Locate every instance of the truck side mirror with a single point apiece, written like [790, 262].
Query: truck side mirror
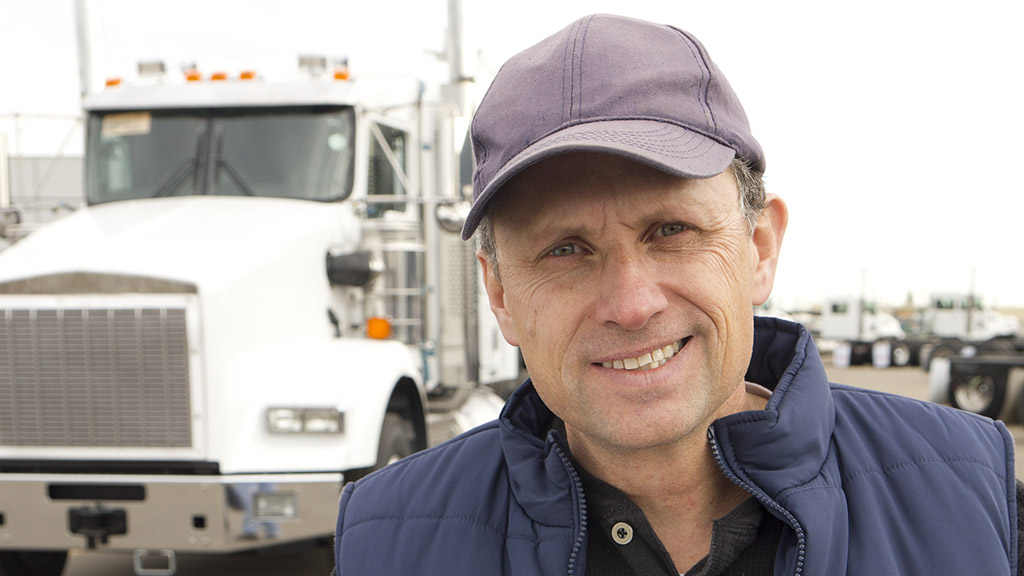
[355, 269]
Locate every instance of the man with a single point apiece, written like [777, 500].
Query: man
[624, 235]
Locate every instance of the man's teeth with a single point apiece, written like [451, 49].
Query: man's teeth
[647, 361]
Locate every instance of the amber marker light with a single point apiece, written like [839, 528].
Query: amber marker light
[378, 328]
[193, 75]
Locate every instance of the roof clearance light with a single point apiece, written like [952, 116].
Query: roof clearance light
[247, 75]
[152, 68]
[341, 73]
[312, 64]
[218, 76]
[378, 328]
[193, 75]
[111, 82]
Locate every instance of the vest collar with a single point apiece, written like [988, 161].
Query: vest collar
[785, 444]
[781, 446]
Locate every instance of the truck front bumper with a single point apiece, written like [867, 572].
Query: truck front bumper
[182, 513]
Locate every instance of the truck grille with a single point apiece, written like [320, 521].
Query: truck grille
[94, 377]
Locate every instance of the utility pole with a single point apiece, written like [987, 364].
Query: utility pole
[459, 79]
[84, 52]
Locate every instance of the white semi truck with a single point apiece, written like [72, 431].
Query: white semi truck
[961, 326]
[862, 333]
[265, 297]
[950, 325]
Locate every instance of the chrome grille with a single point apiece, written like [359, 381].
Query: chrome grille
[94, 377]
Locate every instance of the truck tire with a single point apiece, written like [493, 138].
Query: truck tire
[860, 353]
[941, 351]
[16, 563]
[900, 354]
[979, 393]
[396, 440]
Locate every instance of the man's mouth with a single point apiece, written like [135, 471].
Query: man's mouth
[649, 360]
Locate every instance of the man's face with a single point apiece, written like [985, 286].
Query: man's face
[606, 265]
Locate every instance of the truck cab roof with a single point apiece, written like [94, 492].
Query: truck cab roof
[253, 93]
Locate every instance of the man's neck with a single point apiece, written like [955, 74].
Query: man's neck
[678, 486]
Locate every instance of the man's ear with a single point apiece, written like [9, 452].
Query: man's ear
[496, 297]
[771, 226]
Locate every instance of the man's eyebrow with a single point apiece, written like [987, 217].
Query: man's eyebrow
[558, 227]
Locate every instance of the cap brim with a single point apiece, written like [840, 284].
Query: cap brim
[666, 147]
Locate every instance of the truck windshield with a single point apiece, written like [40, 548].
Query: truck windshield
[303, 153]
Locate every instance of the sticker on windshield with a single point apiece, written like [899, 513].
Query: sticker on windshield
[126, 124]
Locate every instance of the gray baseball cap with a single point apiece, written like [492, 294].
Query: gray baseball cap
[610, 84]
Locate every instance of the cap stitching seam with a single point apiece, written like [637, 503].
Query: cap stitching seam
[582, 42]
[657, 119]
[565, 115]
[664, 149]
[704, 94]
[572, 78]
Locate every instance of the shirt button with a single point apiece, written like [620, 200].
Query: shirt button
[622, 533]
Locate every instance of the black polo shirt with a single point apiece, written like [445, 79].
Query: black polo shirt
[620, 540]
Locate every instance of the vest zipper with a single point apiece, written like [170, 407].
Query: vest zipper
[763, 498]
[582, 536]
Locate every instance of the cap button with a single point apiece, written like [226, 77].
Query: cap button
[622, 533]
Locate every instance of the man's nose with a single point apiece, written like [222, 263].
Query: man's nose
[629, 292]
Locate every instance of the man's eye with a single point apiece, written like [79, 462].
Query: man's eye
[565, 250]
[670, 229]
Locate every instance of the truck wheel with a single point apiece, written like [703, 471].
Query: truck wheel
[978, 393]
[396, 440]
[860, 353]
[32, 563]
[940, 351]
[900, 355]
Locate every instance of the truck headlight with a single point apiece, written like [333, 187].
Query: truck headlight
[281, 420]
[321, 421]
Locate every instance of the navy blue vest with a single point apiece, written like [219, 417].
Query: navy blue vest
[867, 483]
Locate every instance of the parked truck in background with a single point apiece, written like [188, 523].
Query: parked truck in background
[990, 383]
[862, 333]
[976, 362]
[949, 325]
[266, 296]
[960, 325]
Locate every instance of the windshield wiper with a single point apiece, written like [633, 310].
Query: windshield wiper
[185, 168]
[235, 176]
[182, 171]
[232, 173]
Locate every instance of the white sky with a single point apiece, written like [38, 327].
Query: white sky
[892, 128]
